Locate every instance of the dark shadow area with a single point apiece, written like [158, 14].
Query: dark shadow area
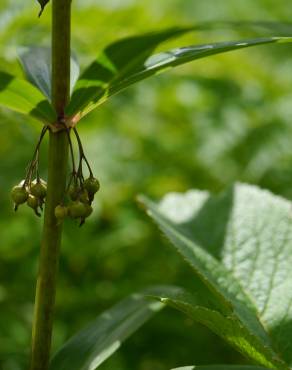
[208, 226]
[42, 111]
[5, 80]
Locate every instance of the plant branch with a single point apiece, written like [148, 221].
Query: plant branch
[57, 174]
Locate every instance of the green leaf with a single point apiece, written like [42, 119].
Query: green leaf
[220, 367]
[118, 59]
[93, 345]
[20, 96]
[37, 65]
[42, 3]
[132, 60]
[240, 245]
[225, 324]
[161, 62]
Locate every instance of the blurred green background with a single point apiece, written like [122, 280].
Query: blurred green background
[205, 125]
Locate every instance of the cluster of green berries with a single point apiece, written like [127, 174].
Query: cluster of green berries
[80, 200]
[79, 195]
[32, 194]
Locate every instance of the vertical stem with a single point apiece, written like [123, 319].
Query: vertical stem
[57, 174]
[61, 55]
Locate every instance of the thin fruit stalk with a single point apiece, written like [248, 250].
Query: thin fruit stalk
[57, 174]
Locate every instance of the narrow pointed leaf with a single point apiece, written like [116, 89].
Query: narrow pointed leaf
[240, 244]
[37, 65]
[172, 58]
[88, 349]
[118, 59]
[20, 96]
[276, 28]
[117, 68]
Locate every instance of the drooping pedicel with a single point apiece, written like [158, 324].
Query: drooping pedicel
[80, 192]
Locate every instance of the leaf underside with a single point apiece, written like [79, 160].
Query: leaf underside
[37, 65]
[240, 245]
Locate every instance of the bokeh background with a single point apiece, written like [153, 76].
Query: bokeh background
[204, 125]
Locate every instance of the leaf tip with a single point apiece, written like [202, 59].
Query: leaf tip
[43, 4]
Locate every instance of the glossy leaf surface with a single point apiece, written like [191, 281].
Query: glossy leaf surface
[88, 349]
[120, 58]
[132, 60]
[20, 96]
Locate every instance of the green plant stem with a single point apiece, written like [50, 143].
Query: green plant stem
[57, 174]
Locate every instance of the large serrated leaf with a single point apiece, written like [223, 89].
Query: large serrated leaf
[20, 96]
[132, 60]
[240, 244]
[88, 349]
[37, 65]
[226, 325]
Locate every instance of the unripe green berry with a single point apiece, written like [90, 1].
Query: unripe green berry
[19, 195]
[83, 196]
[39, 190]
[77, 209]
[42, 181]
[61, 212]
[73, 192]
[87, 213]
[91, 185]
[33, 202]
[89, 210]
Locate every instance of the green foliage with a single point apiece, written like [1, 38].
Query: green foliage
[239, 244]
[131, 60]
[228, 326]
[213, 122]
[93, 345]
[37, 65]
[120, 65]
[21, 96]
[218, 367]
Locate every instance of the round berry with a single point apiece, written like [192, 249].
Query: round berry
[88, 211]
[39, 190]
[33, 202]
[61, 212]
[91, 185]
[73, 192]
[83, 196]
[77, 209]
[19, 195]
